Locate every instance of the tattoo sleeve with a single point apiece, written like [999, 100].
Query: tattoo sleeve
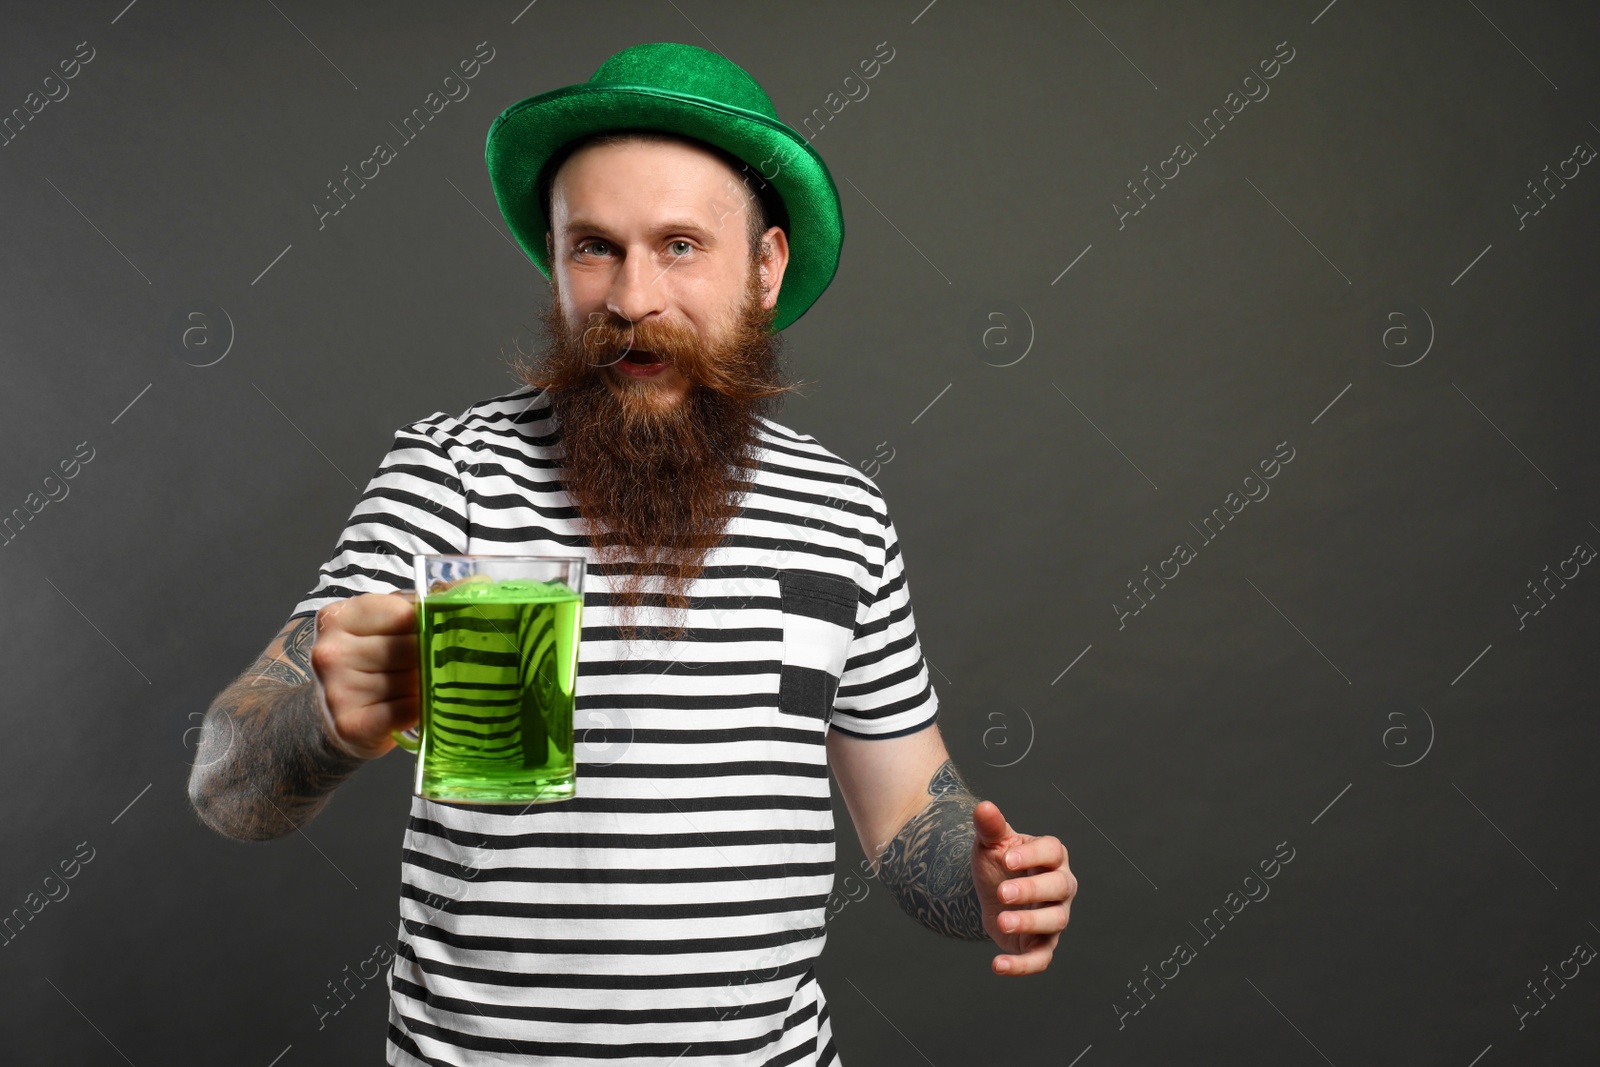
[928, 865]
[266, 765]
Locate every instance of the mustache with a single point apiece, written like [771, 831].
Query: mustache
[606, 340]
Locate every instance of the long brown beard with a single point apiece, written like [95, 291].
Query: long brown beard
[656, 484]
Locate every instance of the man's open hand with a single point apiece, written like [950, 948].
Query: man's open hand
[1026, 901]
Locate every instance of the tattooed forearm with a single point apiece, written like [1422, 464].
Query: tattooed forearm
[928, 866]
[265, 765]
[291, 664]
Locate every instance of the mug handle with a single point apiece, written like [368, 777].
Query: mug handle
[409, 739]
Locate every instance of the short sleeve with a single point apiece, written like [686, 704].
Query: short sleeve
[414, 503]
[885, 690]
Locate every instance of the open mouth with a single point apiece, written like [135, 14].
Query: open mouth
[642, 358]
[638, 363]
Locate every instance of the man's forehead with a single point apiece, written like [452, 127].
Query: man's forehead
[670, 182]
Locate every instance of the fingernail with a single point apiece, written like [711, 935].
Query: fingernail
[1013, 858]
[1008, 892]
[1004, 966]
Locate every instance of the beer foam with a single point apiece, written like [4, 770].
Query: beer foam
[481, 587]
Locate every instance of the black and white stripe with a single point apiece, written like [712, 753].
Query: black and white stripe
[673, 910]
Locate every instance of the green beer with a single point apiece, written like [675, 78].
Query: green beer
[498, 662]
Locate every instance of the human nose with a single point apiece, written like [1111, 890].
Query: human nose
[636, 290]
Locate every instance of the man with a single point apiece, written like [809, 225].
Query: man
[747, 628]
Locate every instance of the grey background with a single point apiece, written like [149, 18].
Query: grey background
[1357, 618]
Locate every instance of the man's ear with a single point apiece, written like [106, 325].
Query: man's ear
[774, 263]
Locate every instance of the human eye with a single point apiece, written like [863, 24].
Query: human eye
[588, 242]
[688, 247]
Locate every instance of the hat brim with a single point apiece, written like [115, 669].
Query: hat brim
[526, 134]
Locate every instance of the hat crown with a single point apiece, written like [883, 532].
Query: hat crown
[686, 68]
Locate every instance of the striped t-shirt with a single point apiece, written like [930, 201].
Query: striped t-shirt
[673, 910]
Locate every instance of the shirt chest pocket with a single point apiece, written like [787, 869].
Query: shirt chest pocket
[819, 618]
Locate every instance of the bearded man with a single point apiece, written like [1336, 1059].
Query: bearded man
[747, 627]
